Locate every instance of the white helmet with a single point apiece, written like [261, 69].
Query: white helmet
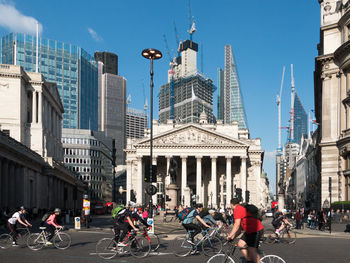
[284, 211]
[131, 204]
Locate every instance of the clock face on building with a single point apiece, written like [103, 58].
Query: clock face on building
[151, 190]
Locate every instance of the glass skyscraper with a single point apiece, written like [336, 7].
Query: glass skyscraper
[230, 101]
[69, 66]
[300, 120]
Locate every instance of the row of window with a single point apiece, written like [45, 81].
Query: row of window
[82, 161]
[83, 152]
[85, 169]
[81, 141]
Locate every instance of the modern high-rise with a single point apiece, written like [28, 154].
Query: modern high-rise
[221, 89]
[72, 68]
[300, 120]
[136, 123]
[112, 102]
[230, 93]
[192, 92]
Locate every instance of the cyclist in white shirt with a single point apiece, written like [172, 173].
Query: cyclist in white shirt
[17, 217]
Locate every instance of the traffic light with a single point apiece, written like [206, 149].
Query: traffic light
[247, 196]
[239, 193]
[147, 177]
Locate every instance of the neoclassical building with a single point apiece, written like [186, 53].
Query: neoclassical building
[212, 160]
[332, 100]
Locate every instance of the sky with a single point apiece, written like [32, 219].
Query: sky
[264, 35]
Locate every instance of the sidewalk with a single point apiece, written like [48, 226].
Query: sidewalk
[337, 231]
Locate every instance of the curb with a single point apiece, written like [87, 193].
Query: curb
[334, 234]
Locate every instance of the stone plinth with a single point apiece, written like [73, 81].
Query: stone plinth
[172, 193]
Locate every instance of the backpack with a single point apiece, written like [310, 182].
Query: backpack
[254, 211]
[184, 213]
[45, 217]
[116, 210]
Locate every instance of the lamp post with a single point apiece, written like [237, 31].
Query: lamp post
[151, 54]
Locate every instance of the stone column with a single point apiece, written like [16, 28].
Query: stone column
[167, 175]
[213, 194]
[34, 113]
[40, 106]
[140, 181]
[228, 180]
[1, 183]
[5, 188]
[128, 180]
[243, 176]
[184, 191]
[12, 185]
[199, 197]
[222, 180]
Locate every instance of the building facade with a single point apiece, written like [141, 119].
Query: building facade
[72, 69]
[89, 154]
[212, 161]
[31, 155]
[136, 123]
[109, 60]
[332, 100]
[112, 103]
[300, 120]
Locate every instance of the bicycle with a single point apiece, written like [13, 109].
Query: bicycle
[209, 243]
[230, 257]
[287, 236]
[6, 240]
[138, 246]
[60, 240]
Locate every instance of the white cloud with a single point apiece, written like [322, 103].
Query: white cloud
[94, 35]
[14, 20]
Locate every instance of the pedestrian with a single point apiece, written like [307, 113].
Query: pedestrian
[321, 218]
[145, 214]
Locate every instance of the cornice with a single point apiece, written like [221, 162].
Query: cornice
[170, 146]
[341, 52]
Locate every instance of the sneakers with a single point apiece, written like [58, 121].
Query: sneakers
[14, 244]
[120, 244]
[277, 233]
[190, 242]
[48, 243]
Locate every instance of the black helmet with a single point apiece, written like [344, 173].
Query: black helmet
[199, 205]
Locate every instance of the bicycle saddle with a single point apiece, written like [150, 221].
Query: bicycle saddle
[42, 227]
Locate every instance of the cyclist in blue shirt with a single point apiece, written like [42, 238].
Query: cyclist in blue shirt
[188, 223]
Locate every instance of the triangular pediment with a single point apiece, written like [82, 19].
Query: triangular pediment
[193, 134]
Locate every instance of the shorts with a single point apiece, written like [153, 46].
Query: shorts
[253, 239]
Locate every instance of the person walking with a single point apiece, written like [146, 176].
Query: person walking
[298, 218]
[321, 217]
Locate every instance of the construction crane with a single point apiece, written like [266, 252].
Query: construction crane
[278, 101]
[128, 100]
[171, 72]
[177, 39]
[292, 106]
[192, 23]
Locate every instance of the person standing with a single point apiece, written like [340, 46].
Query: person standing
[298, 218]
[321, 217]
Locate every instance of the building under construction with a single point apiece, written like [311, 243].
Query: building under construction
[188, 93]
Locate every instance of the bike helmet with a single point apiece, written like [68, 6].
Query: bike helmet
[131, 204]
[22, 208]
[57, 210]
[199, 205]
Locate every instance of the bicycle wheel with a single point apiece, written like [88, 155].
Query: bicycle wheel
[62, 240]
[272, 259]
[139, 247]
[106, 248]
[271, 238]
[182, 247]
[220, 258]
[212, 246]
[5, 241]
[35, 241]
[154, 240]
[22, 241]
[289, 237]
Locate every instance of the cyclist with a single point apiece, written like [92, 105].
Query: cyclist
[189, 225]
[136, 216]
[280, 221]
[19, 217]
[51, 224]
[218, 217]
[122, 222]
[207, 217]
[253, 231]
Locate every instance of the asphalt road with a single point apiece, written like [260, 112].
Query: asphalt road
[307, 249]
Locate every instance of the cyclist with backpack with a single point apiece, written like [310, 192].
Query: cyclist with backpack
[51, 224]
[122, 221]
[187, 216]
[280, 221]
[19, 217]
[253, 230]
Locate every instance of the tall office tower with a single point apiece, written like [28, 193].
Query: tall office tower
[231, 97]
[221, 89]
[112, 102]
[300, 120]
[192, 92]
[69, 66]
[136, 121]
[109, 60]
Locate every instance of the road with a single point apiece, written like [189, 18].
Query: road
[308, 249]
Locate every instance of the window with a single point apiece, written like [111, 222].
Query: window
[7, 132]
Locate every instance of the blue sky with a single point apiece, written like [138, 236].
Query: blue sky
[265, 35]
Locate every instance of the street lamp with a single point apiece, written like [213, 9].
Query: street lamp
[151, 54]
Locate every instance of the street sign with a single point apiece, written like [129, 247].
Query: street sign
[77, 222]
[150, 222]
[151, 189]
